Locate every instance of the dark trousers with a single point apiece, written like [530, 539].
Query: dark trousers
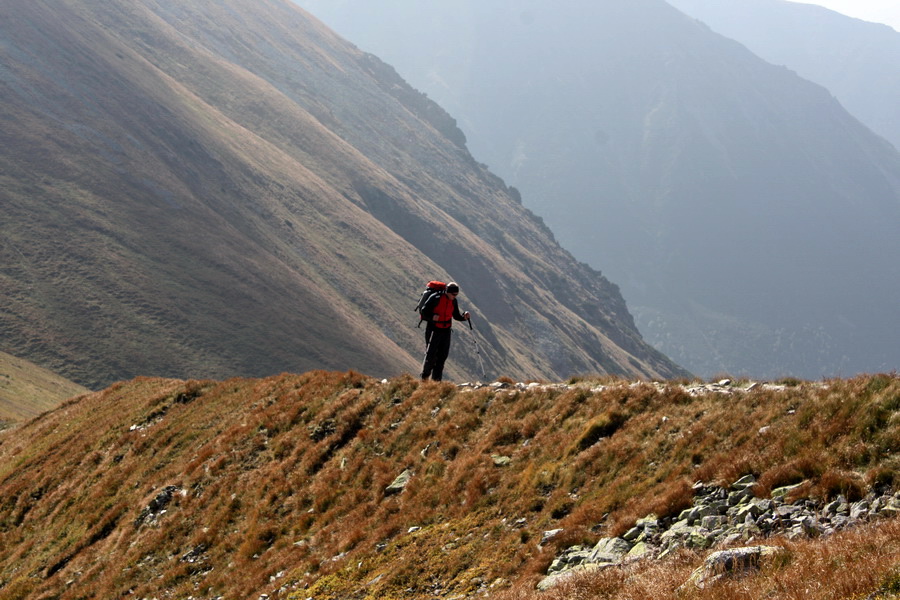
[437, 349]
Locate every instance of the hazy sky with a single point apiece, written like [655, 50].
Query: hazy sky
[879, 11]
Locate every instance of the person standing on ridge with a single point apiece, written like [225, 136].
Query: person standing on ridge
[440, 311]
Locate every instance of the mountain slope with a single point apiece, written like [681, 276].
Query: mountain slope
[27, 390]
[750, 220]
[169, 489]
[216, 189]
[855, 60]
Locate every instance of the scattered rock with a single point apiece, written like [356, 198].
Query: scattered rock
[782, 492]
[157, 506]
[195, 554]
[723, 387]
[320, 431]
[549, 535]
[610, 550]
[399, 484]
[724, 516]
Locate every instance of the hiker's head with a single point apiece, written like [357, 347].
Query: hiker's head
[452, 288]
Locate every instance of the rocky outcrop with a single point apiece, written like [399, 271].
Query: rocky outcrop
[723, 517]
[157, 506]
[735, 561]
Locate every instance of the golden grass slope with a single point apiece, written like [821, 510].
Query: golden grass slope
[170, 489]
[27, 390]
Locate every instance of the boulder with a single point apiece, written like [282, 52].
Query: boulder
[638, 551]
[552, 580]
[399, 484]
[782, 492]
[571, 558]
[745, 482]
[610, 550]
[735, 561]
[500, 461]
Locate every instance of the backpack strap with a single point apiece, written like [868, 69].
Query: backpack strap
[428, 303]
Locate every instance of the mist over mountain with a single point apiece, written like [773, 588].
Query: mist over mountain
[751, 221]
[213, 189]
[855, 60]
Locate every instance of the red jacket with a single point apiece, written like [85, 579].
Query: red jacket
[445, 310]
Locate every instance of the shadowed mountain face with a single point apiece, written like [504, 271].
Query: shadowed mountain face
[213, 188]
[855, 60]
[752, 223]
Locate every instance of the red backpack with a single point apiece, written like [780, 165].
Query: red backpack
[434, 288]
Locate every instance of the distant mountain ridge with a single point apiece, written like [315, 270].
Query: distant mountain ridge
[750, 220]
[211, 189]
[855, 60]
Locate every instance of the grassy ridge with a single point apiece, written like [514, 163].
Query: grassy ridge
[171, 488]
[27, 390]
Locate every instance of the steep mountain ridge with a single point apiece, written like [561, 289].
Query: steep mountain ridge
[854, 59]
[749, 219]
[217, 189]
[334, 485]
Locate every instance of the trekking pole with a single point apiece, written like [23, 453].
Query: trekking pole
[428, 335]
[477, 350]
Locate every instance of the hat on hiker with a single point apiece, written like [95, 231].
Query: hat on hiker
[452, 288]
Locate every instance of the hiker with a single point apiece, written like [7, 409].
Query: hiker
[439, 312]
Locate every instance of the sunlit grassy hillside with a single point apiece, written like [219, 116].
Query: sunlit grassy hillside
[218, 188]
[206, 489]
[27, 390]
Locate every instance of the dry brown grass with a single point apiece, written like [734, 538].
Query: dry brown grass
[282, 480]
[862, 563]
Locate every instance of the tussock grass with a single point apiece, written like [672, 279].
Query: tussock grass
[282, 481]
[861, 563]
